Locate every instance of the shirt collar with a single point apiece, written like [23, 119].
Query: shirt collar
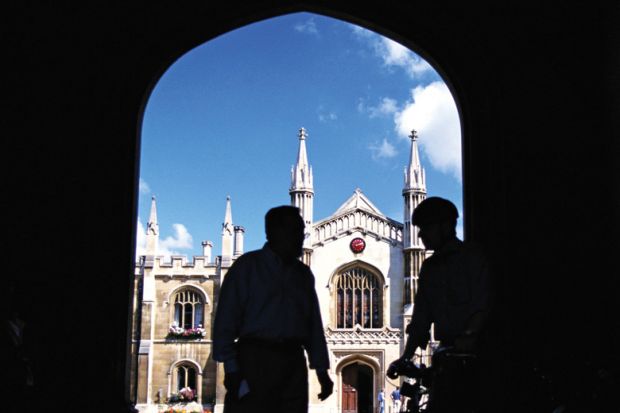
[451, 246]
[271, 255]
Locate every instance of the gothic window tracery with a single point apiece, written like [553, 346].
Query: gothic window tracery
[359, 299]
[185, 375]
[188, 308]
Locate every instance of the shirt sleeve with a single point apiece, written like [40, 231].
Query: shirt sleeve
[421, 319]
[227, 322]
[316, 347]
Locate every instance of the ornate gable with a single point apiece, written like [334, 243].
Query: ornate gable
[357, 214]
[358, 201]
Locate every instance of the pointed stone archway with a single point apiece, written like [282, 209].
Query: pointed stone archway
[358, 383]
[357, 388]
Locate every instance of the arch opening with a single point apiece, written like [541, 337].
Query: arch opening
[357, 388]
[358, 289]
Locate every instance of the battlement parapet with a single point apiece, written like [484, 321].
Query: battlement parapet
[198, 262]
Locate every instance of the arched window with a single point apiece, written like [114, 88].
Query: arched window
[185, 375]
[359, 299]
[188, 309]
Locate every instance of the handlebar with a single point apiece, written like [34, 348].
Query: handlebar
[407, 368]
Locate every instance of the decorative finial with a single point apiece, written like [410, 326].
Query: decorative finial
[414, 135]
[302, 133]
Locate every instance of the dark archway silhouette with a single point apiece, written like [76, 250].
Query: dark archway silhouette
[539, 128]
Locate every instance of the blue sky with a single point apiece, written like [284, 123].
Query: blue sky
[223, 120]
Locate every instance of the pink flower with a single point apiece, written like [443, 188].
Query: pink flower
[187, 393]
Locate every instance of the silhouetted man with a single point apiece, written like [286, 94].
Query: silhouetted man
[455, 294]
[269, 305]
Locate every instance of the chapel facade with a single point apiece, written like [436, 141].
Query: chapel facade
[366, 268]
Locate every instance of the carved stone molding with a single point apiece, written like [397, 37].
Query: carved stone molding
[359, 335]
[375, 356]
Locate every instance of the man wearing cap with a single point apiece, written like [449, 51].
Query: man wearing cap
[454, 294]
[267, 315]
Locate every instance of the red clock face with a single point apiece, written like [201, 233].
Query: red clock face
[357, 245]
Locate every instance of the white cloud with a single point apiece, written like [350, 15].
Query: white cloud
[363, 33]
[144, 187]
[309, 27]
[140, 239]
[383, 151]
[393, 53]
[181, 240]
[325, 115]
[432, 112]
[386, 107]
[361, 105]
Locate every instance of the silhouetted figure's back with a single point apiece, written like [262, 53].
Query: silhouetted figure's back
[455, 295]
[269, 305]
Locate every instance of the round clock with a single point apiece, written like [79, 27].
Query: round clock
[357, 245]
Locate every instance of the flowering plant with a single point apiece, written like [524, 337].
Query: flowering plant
[180, 332]
[186, 393]
[192, 407]
[182, 402]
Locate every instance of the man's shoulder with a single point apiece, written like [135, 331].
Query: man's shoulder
[248, 256]
[247, 259]
[473, 251]
[304, 269]
[302, 265]
[458, 249]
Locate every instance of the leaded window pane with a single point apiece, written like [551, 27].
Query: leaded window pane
[349, 308]
[188, 316]
[188, 309]
[340, 308]
[366, 309]
[178, 314]
[358, 299]
[376, 320]
[198, 312]
[191, 378]
[180, 377]
[358, 306]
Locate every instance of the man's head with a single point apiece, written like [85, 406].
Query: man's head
[284, 228]
[436, 219]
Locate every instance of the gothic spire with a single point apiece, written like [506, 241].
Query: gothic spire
[227, 234]
[152, 230]
[302, 191]
[227, 225]
[414, 192]
[301, 173]
[415, 178]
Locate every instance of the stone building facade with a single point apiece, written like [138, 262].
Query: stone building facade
[366, 267]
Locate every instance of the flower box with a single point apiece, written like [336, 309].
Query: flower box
[182, 402]
[186, 333]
